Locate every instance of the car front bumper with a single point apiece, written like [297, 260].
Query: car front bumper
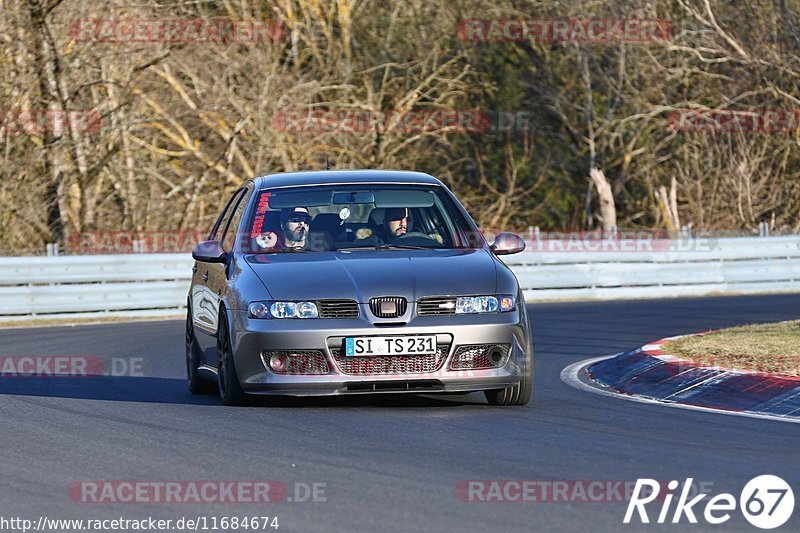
[253, 336]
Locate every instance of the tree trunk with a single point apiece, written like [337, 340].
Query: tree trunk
[608, 210]
[669, 205]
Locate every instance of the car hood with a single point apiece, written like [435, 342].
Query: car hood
[364, 274]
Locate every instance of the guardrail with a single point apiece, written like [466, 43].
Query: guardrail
[657, 268]
[36, 286]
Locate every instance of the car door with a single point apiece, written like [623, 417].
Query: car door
[205, 304]
[219, 273]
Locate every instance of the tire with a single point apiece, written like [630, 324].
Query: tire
[197, 385]
[230, 390]
[519, 394]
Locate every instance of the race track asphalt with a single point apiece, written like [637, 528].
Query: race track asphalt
[388, 463]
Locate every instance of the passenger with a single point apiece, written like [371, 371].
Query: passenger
[294, 224]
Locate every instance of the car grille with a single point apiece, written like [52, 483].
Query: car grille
[478, 356]
[396, 303]
[337, 309]
[391, 364]
[437, 306]
[299, 362]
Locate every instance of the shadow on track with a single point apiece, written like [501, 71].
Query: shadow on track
[173, 391]
[119, 389]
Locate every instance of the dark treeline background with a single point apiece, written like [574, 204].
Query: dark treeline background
[183, 124]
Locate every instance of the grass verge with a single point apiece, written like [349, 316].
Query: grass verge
[771, 348]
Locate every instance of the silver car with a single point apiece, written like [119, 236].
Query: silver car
[354, 282]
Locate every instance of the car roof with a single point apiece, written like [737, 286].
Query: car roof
[331, 177]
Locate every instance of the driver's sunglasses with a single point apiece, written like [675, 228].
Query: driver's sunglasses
[298, 220]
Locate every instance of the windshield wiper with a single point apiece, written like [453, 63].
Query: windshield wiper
[400, 247]
[383, 247]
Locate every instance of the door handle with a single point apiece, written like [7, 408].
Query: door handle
[205, 276]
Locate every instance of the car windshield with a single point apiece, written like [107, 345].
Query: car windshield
[357, 217]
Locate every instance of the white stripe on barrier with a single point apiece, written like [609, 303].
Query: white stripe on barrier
[108, 283]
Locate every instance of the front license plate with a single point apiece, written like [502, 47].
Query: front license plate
[372, 346]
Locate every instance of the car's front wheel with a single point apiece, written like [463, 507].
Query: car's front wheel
[230, 390]
[197, 385]
[519, 394]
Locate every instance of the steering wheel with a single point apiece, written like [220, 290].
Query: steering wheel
[416, 238]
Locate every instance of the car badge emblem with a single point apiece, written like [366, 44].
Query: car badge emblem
[388, 308]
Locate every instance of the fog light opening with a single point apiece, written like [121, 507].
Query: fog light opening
[495, 355]
[279, 362]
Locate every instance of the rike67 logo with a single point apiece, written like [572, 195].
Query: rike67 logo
[766, 502]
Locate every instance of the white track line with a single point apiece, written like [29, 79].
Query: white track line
[570, 376]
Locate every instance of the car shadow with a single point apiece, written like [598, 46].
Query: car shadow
[174, 391]
[116, 388]
[404, 400]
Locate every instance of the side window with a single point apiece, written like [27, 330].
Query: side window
[229, 240]
[222, 221]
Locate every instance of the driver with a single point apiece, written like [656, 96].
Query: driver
[395, 222]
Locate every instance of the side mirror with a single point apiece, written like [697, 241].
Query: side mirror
[210, 252]
[507, 244]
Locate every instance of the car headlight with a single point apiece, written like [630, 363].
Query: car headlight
[484, 304]
[258, 310]
[283, 310]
